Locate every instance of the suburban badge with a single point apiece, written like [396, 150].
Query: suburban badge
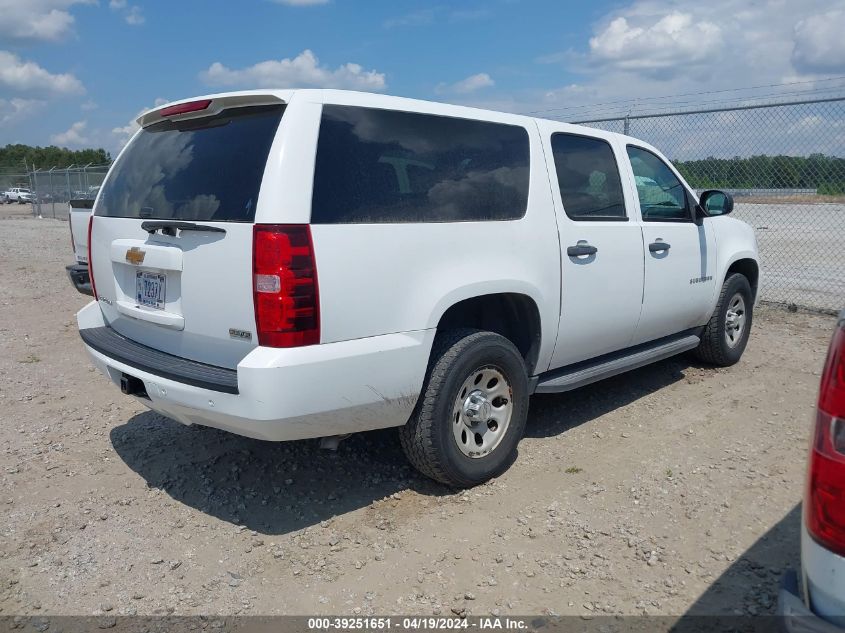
[243, 335]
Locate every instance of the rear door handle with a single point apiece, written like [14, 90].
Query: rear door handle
[581, 249]
[657, 247]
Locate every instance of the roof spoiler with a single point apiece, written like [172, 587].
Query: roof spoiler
[202, 107]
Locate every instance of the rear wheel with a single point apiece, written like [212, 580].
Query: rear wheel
[726, 334]
[472, 411]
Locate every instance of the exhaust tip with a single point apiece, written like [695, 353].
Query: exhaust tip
[331, 442]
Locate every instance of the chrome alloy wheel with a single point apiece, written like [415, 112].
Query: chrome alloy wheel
[735, 320]
[482, 412]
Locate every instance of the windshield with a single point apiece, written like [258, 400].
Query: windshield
[206, 169]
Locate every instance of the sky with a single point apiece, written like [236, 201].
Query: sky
[76, 73]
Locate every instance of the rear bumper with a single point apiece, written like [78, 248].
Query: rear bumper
[78, 274]
[824, 574]
[282, 394]
[120, 349]
[795, 616]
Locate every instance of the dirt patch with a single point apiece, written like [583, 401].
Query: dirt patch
[672, 489]
[15, 210]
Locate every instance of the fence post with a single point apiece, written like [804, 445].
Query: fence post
[35, 201]
[626, 126]
[52, 201]
[67, 178]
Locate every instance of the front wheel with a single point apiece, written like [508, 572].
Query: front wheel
[726, 333]
[472, 410]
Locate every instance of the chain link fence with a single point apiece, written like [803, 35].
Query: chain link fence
[53, 188]
[784, 164]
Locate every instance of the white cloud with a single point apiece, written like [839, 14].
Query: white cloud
[673, 43]
[820, 43]
[43, 20]
[469, 15]
[27, 76]
[468, 85]
[132, 14]
[74, 135]
[135, 17]
[15, 110]
[89, 105]
[422, 17]
[440, 13]
[651, 48]
[124, 133]
[301, 3]
[304, 70]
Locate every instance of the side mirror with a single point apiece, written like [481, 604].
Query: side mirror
[714, 202]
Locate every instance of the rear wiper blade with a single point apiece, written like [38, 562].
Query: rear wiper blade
[169, 227]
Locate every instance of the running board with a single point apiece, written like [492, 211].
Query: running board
[584, 373]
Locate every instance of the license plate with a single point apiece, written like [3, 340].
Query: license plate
[149, 289]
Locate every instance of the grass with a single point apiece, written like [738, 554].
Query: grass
[31, 358]
[574, 470]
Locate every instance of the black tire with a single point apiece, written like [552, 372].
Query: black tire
[715, 347]
[427, 438]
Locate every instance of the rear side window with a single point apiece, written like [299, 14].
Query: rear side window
[380, 166]
[588, 177]
[206, 169]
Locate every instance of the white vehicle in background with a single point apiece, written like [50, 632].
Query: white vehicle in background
[17, 194]
[79, 213]
[816, 601]
[310, 263]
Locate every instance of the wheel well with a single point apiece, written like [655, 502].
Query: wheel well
[749, 268]
[514, 316]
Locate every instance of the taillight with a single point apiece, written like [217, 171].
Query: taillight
[184, 108]
[825, 503]
[90, 260]
[287, 303]
[832, 392]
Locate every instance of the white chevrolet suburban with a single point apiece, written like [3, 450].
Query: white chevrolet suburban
[309, 263]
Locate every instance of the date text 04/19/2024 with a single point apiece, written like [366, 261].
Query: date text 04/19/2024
[416, 623]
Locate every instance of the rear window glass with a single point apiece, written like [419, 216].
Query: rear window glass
[206, 169]
[378, 166]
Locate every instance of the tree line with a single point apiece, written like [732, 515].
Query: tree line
[816, 171]
[21, 158]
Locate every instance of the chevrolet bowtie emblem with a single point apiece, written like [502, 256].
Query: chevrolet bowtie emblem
[135, 256]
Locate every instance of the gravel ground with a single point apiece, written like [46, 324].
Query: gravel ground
[673, 489]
